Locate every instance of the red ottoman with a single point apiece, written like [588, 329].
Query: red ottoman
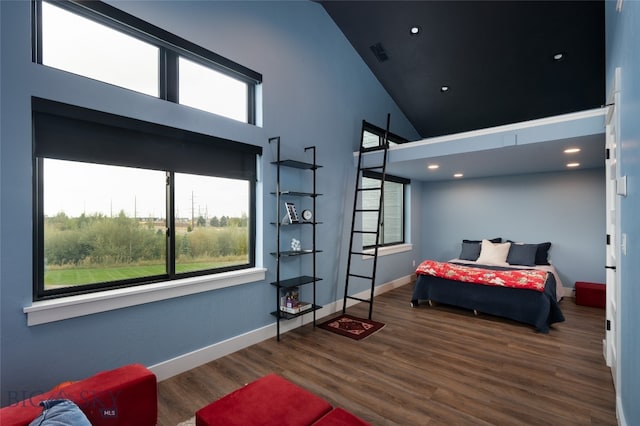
[591, 294]
[340, 417]
[121, 397]
[270, 400]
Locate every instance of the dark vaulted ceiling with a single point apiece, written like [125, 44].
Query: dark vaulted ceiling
[495, 57]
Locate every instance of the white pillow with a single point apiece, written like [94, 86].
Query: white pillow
[494, 253]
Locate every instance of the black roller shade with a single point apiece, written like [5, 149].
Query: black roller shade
[69, 132]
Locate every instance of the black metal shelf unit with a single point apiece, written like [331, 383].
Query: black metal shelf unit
[284, 285]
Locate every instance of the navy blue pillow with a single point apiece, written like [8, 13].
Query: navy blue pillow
[522, 254]
[542, 253]
[470, 251]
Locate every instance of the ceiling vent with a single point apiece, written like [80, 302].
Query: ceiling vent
[379, 52]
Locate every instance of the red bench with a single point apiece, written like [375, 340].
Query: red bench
[125, 396]
[272, 400]
[591, 294]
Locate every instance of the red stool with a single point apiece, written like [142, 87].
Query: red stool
[340, 417]
[591, 294]
[270, 400]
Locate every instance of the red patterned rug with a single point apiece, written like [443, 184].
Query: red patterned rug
[352, 327]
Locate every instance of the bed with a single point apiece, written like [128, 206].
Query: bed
[510, 280]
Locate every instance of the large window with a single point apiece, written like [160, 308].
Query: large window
[98, 41]
[121, 202]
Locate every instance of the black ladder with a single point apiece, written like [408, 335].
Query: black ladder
[359, 210]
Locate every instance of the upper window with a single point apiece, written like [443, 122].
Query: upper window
[373, 136]
[210, 90]
[79, 45]
[98, 41]
[121, 202]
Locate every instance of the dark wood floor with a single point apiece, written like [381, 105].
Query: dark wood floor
[428, 366]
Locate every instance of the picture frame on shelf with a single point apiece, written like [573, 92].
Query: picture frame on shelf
[292, 215]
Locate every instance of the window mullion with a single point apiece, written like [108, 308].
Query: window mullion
[38, 228]
[251, 103]
[168, 75]
[36, 40]
[171, 225]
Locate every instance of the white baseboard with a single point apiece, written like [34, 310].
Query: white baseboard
[622, 421]
[569, 292]
[190, 360]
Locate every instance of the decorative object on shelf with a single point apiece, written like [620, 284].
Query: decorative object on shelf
[295, 244]
[297, 307]
[307, 215]
[291, 303]
[291, 213]
[289, 299]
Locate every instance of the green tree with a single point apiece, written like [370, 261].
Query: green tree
[61, 221]
[214, 221]
[66, 247]
[244, 220]
[185, 246]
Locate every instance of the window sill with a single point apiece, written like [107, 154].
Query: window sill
[86, 304]
[385, 251]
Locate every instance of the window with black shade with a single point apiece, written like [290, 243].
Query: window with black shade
[122, 202]
[99, 41]
[393, 208]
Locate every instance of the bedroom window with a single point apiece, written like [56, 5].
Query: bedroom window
[393, 212]
[392, 229]
[99, 41]
[120, 202]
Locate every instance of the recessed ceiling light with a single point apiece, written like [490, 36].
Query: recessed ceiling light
[415, 30]
[444, 89]
[458, 175]
[433, 166]
[558, 56]
[573, 164]
[571, 150]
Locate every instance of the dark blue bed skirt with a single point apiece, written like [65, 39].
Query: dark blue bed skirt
[536, 308]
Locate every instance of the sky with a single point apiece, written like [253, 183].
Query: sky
[76, 188]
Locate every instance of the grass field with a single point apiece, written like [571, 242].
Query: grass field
[81, 276]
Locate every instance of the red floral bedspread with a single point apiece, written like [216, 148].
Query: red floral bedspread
[518, 278]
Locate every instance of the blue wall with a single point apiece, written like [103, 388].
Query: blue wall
[623, 39]
[565, 208]
[316, 91]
